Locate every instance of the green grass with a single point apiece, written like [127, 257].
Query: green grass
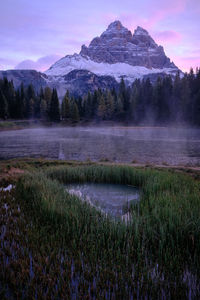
[14, 124]
[82, 252]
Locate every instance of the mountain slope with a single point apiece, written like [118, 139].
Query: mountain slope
[37, 79]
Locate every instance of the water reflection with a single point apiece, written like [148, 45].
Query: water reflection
[112, 199]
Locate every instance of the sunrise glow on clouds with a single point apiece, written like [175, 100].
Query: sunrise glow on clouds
[36, 34]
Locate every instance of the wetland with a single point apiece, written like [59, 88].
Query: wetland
[54, 245]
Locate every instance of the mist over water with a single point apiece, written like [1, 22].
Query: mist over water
[174, 146]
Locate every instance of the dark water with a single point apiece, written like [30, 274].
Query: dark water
[113, 199]
[119, 144]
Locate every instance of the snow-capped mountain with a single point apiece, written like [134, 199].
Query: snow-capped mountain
[118, 53]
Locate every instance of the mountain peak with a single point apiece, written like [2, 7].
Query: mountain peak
[140, 31]
[118, 51]
[116, 25]
[116, 30]
[118, 45]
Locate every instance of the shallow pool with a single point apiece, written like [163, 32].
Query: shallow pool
[112, 199]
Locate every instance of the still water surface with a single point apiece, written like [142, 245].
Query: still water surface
[112, 199]
[118, 144]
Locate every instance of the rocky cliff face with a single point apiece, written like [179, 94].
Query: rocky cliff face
[79, 82]
[118, 45]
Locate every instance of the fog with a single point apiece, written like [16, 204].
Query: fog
[158, 145]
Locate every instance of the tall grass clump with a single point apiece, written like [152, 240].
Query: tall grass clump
[168, 221]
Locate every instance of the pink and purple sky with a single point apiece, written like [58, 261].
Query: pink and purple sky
[34, 34]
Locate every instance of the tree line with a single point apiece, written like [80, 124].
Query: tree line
[167, 101]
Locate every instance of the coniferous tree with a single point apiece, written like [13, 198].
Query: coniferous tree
[88, 106]
[31, 108]
[3, 106]
[176, 104]
[134, 99]
[74, 112]
[43, 109]
[158, 94]
[22, 101]
[123, 95]
[110, 108]
[83, 107]
[95, 102]
[196, 119]
[65, 108]
[54, 107]
[79, 102]
[196, 99]
[102, 108]
[47, 98]
[30, 97]
[185, 99]
[167, 98]
[119, 109]
[135, 102]
[18, 106]
[9, 93]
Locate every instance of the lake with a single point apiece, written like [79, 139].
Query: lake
[174, 146]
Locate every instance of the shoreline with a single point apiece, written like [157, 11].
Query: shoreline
[9, 125]
[12, 169]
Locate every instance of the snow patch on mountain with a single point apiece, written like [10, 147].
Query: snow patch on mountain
[116, 70]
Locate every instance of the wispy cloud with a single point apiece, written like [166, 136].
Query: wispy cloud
[42, 64]
[148, 18]
[188, 62]
[7, 63]
[167, 36]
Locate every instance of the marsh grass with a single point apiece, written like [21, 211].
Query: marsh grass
[83, 253]
[169, 207]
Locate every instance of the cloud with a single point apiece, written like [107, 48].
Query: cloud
[41, 64]
[6, 63]
[27, 64]
[168, 36]
[185, 63]
[148, 18]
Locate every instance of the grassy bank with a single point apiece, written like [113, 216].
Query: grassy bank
[31, 123]
[19, 124]
[56, 247]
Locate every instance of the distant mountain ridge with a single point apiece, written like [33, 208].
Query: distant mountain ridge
[116, 54]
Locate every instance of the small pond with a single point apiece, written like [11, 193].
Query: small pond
[112, 199]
